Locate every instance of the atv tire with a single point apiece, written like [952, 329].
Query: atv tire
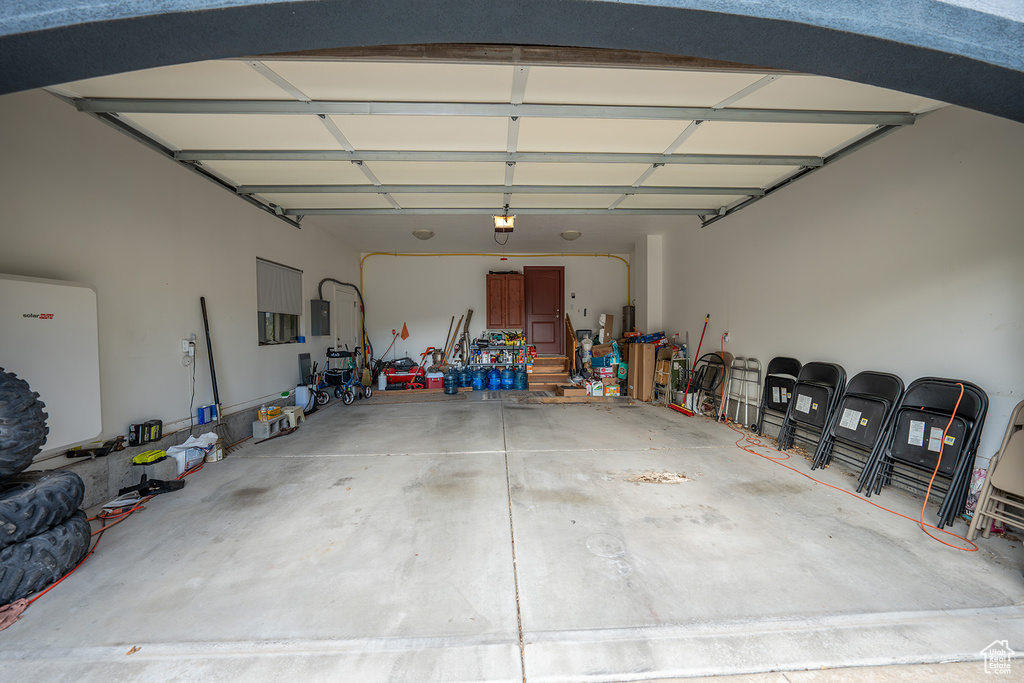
[37, 562]
[32, 502]
[23, 427]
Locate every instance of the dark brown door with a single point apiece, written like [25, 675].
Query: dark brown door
[514, 299]
[545, 294]
[505, 302]
[495, 302]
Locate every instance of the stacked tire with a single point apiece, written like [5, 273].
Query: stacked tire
[43, 533]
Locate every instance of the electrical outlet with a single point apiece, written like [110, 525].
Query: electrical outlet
[185, 345]
[726, 336]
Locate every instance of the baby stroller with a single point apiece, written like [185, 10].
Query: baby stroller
[341, 374]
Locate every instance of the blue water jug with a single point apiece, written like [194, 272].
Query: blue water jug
[508, 378]
[522, 382]
[479, 379]
[451, 382]
[465, 378]
[494, 379]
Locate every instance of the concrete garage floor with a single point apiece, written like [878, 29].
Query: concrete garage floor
[463, 540]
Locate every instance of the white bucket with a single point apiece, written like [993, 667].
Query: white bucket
[681, 398]
[303, 397]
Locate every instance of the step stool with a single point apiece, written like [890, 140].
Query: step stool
[267, 429]
[294, 414]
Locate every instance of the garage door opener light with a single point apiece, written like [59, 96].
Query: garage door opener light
[504, 223]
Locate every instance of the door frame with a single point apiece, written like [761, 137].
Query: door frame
[560, 326]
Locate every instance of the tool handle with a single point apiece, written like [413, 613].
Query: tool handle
[209, 351]
[690, 378]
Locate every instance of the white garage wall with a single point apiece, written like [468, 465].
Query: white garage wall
[84, 203]
[649, 284]
[907, 257]
[425, 291]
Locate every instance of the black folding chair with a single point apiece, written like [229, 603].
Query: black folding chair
[709, 372]
[819, 386]
[861, 420]
[915, 441]
[779, 380]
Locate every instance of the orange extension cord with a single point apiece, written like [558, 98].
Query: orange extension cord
[750, 441]
[118, 517]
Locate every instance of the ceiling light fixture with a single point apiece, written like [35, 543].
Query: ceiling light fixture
[503, 225]
[570, 235]
[423, 234]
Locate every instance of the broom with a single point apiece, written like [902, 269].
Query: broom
[683, 409]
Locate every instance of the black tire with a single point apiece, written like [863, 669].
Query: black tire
[367, 391]
[322, 397]
[32, 502]
[23, 427]
[348, 396]
[35, 563]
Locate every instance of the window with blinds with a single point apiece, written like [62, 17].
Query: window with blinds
[278, 302]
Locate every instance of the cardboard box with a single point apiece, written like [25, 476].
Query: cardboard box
[611, 389]
[640, 375]
[570, 390]
[609, 371]
[601, 350]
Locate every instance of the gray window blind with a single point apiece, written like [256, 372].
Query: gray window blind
[278, 288]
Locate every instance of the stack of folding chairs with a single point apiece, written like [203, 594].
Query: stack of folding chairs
[1002, 495]
[819, 386]
[911, 451]
[779, 380]
[710, 373]
[861, 421]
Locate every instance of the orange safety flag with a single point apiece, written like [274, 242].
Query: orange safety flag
[405, 332]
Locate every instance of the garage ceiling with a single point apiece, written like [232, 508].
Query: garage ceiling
[351, 139]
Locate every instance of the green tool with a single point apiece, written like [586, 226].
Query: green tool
[149, 457]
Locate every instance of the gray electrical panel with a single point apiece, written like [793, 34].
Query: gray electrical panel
[319, 317]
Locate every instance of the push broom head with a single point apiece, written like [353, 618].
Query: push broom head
[680, 409]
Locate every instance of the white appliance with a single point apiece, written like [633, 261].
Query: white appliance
[49, 337]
